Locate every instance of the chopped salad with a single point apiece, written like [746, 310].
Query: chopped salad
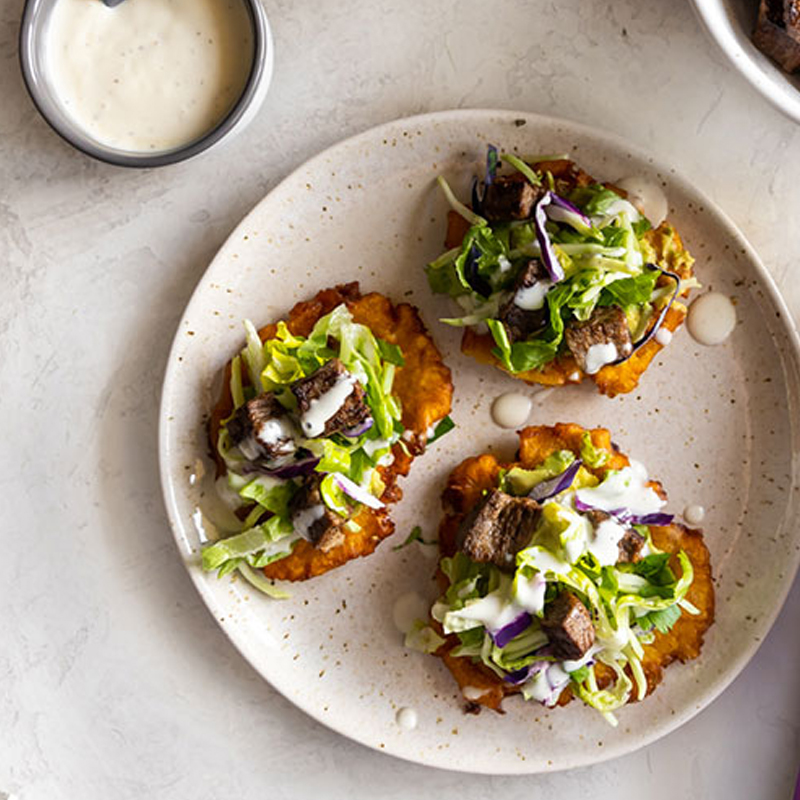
[551, 274]
[556, 582]
[313, 418]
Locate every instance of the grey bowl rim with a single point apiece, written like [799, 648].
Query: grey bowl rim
[262, 53]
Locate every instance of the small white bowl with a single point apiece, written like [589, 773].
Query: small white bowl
[32, 60]
[730, 23]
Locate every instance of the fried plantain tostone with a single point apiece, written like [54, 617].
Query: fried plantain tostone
[464, 489]
[423, 385]
[667, 251]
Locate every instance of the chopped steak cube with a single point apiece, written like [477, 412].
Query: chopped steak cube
[569, 627]
[498, 528]
[630, 545]
[313, 520]
[261, 430]
[791, 18]
[511, 197]
[606, 326]
[776, 35]
[522, 323]
[330, 400]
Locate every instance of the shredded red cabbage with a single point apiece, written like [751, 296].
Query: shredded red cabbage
[554, 486]
[557, 202]
[549, 257]
[521, 675]
[294, 469]
[502, 636]
[355, 432]
[625, 515]
[661, 316]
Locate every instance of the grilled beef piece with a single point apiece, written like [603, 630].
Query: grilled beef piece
[606, 325]
[510, 197]
[522, 323]
[261, 429]
[630, 545]
[569, 627]
[313, 520]
[350, 413]
[498, 528]
[791, 18]
[777, 32]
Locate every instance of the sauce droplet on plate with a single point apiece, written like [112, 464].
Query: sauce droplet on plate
[407, 718]
[694, 514]
[407, 608]
[647, 196]
[511, 410]
[712, 318]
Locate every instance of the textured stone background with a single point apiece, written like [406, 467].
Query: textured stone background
[114, 680]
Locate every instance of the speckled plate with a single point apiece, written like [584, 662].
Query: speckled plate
[716, 425]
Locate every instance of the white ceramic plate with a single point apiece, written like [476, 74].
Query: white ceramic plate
[730, 24]
[714, 424]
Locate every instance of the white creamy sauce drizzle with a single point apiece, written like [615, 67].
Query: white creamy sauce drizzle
[711, 319]
[624, 489]
[472, 693]
[305, 518]
[273, 431]
[492, 611]
[322, 408]
[663, 336]
[647, 196]
[694, 514]
[511, 410]
[605, 544]
[148, 75]
[407, 718]
[408, 608]
[598, 355]
[531, 298]
[529, 594]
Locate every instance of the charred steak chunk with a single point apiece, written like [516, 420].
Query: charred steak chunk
[511, 197]
[261, 429]
[520, 314]
[313, 520]
[630, 545]
[569, 627]
[498, 528]
[777, 32]
[330, 400]
[591, 341]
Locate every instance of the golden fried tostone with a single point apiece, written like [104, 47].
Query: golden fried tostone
[464, 488]
[425, 390]
[666, 251]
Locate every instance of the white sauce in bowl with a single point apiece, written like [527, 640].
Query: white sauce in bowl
[149, 75]
[647, 196]
[712, 318]
[511, 410]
